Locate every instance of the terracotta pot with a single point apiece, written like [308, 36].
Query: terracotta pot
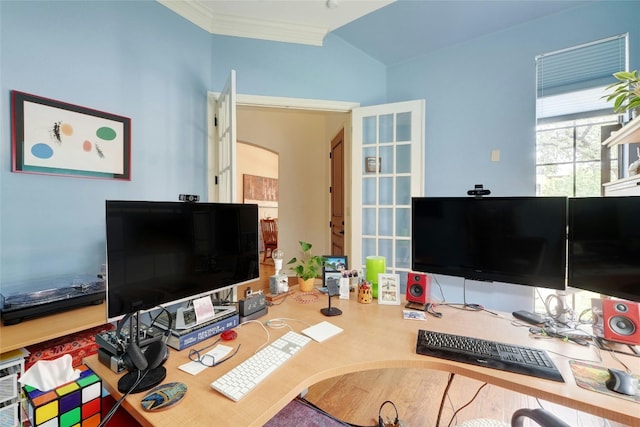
[306, 285]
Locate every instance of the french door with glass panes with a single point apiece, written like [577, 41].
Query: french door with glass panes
[387, 170]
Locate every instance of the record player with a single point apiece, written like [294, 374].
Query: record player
[63, 294]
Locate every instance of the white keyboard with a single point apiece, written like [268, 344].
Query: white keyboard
[244, 377]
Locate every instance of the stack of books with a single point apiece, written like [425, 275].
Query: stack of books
[180, 339]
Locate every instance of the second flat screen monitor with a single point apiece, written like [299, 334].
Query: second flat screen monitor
[519, 240]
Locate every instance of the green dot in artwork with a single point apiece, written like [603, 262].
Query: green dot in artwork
[106, 133]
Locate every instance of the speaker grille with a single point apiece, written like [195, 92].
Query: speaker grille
[622, 325]
[416, 290]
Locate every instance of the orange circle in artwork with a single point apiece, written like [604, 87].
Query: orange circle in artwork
[86, 145]
[66, 129]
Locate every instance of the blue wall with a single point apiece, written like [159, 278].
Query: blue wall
[139, 59]
[480, 95]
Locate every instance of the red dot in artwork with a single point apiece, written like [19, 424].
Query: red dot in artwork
[86, 146]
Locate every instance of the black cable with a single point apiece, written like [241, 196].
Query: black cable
[444, 395]
[137, 382]
[116, 405]
[467, 404]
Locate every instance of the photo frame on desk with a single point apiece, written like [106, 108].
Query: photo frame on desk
[335, 262]
[332, 267]
[389, 289]
[57, 138]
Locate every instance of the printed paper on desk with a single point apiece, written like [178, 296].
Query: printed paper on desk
[321, 331]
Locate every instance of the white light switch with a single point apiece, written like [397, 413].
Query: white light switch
[495, 155]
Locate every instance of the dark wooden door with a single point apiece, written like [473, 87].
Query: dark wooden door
[337, 194]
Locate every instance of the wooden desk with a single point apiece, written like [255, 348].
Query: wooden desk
[375, 336]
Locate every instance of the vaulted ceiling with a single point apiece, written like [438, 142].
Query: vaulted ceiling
[387, 30]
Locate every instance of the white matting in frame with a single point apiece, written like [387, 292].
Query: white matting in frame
[389, 289]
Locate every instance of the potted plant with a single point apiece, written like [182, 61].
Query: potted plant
[308, 267]
[626, 92]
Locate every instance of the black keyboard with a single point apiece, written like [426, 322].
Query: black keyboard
[505, 357]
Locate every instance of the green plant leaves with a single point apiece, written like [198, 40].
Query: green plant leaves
[625, 92]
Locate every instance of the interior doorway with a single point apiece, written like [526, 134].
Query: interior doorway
[302, 139]
[257, 176]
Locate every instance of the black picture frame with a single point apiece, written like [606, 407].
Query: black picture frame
[335, 262]
[57, 138]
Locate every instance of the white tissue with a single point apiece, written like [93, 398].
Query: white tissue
[49, 374]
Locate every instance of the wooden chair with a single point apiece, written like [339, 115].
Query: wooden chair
[269, 228]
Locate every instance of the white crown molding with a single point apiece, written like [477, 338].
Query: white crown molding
[230, 25]
[262, 101]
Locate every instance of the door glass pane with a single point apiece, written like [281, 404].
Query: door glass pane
[369, 130]
[403, 222]
[403, 190]
[386, 128]
[385, 249]
[403, 158]
[385, 225]
[403, 127]
[368, 152]
[368, 248]
[386, 191]
[403, 252]
[369, 221]
[403, 282]
[368, 191]
[386, 152]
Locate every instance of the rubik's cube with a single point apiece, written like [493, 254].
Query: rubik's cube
[74, 404]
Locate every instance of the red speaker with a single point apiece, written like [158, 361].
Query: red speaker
[618, 320]
[418, 287]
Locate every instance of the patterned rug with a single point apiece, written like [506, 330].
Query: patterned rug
[298, 413]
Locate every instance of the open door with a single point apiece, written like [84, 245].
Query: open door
[221, 180]
[387, 171]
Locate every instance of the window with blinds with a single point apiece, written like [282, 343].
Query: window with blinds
[571, 82]
[571, 112]
[571, 119]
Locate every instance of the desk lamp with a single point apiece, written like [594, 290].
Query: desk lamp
[278, 283]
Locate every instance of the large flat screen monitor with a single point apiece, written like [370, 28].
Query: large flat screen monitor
[519, 240]
[160, 253]
[604, 246]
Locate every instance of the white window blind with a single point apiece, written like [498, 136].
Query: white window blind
[572, 81]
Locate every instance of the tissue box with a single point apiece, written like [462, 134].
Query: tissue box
[77, 403]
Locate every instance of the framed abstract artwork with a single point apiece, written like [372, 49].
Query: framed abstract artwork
[57, 138]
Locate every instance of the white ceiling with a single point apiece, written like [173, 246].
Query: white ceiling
[387, 30]
[294, 21]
